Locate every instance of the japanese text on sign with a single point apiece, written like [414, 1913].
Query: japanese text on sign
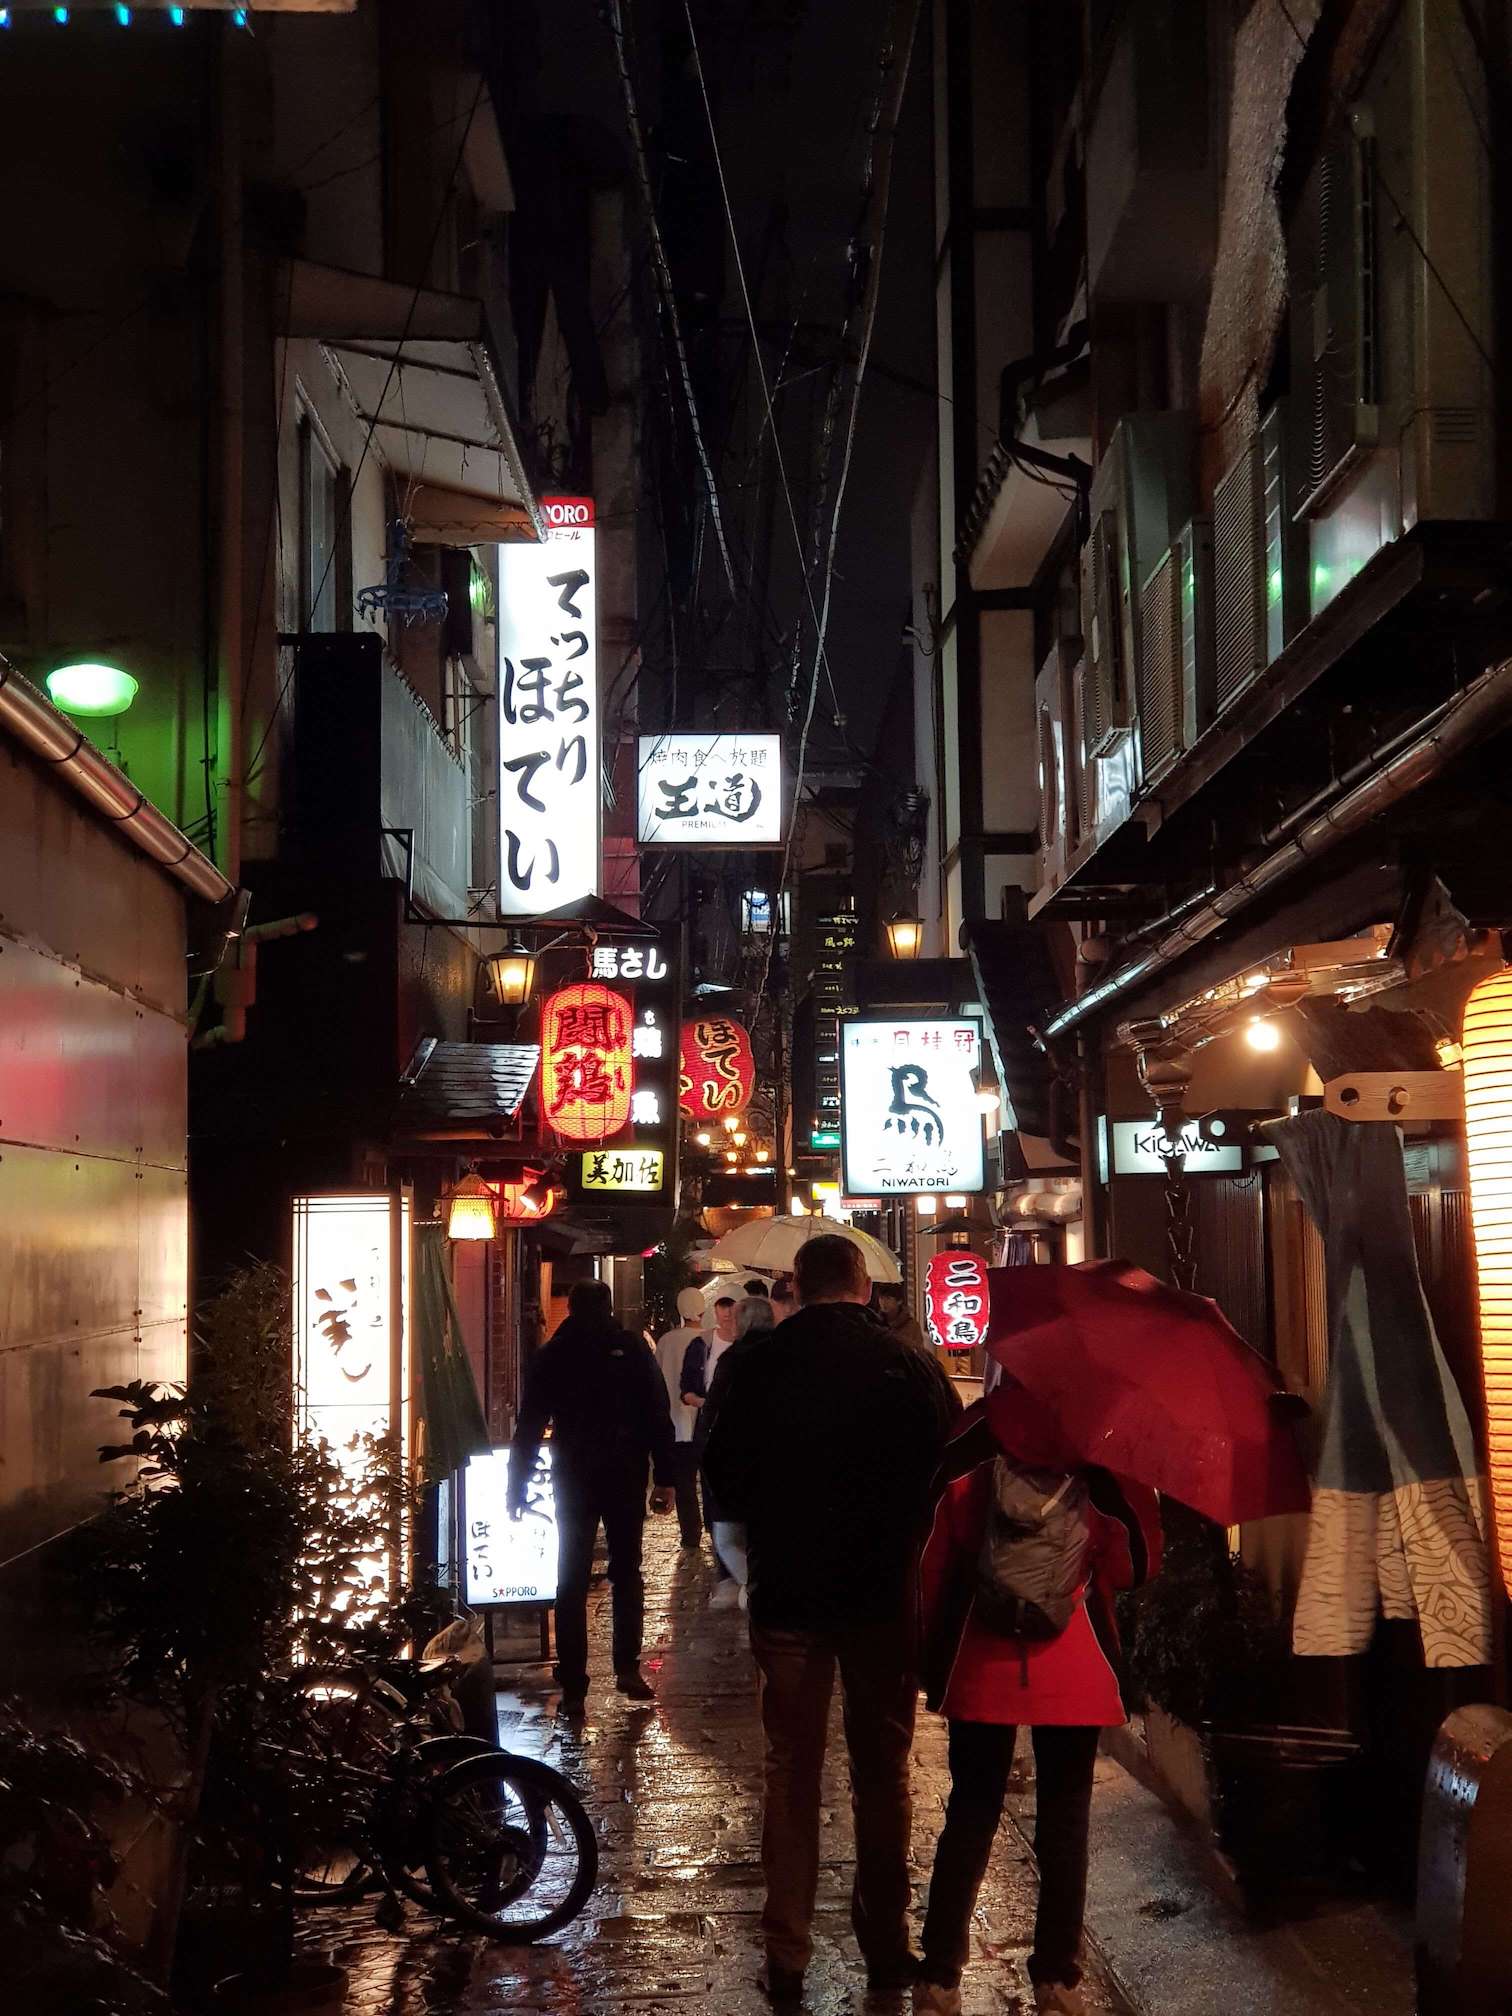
[623, 1169]
[957, 1300]
[710, 790]
[549, 786]
[718, 1070]
[507, 1560]
[586, 1061]
[908, 1107]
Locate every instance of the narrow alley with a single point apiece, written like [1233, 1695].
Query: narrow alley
[675, 1793]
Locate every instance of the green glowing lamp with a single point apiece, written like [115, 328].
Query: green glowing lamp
[91, 688]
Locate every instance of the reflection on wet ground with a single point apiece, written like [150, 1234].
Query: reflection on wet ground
[675, 1793]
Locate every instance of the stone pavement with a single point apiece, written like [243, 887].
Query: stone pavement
[675, 1793]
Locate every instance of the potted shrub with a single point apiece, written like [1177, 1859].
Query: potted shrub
[1207, 1649]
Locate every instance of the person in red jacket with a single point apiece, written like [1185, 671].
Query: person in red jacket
[1063, 1688]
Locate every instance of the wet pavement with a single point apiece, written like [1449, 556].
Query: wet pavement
[675, 1794]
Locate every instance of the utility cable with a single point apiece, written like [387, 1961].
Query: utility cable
[664, 280]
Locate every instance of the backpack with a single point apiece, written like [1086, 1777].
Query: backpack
[1032, 1565]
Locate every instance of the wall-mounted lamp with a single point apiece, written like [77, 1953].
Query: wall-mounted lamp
[511, 975]
[905, 935]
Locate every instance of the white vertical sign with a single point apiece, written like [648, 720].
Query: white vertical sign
[549, 788]
[909, 1117]
[507, 1560]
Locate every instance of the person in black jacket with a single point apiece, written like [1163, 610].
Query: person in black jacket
[824, 1440]
[600, 1389]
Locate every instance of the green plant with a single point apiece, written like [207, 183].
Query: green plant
[65, 1955]
[238, 1550]
[1203, 1641]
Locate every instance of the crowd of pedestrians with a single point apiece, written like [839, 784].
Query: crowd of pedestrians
[880, 1538]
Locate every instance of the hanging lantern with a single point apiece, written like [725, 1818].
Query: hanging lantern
[717, 1070]
[585, 1061]
[470, 1210]
[527, 1199]
[1487, 1071]
[957, 1300]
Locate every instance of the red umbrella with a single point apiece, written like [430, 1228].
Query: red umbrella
[1152, 1383]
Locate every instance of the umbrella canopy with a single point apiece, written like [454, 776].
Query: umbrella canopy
[771, 1245]
[1152, 1383]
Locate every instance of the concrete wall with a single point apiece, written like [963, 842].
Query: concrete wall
[93, 1214]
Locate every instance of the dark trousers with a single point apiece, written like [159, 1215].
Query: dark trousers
[981, 1756]
[685, 1481]
[619, 1504]
[877, 1676]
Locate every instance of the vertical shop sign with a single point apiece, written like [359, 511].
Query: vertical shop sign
[506, 1560]
[909, 1117]
[549, 783]
[640, 1155]
[351, 1326]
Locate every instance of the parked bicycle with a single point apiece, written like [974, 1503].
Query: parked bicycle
[496, 1842]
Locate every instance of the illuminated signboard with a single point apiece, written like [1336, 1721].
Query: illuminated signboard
[351, 1324]
[710, 790]
[1139, 1149]
[507, 1560]
[909, 1118]
[586, 1061]
[957, 1300]
[549, 782]
[623, 1169]
[824, 1137]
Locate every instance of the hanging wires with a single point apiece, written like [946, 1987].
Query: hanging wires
[664, 281]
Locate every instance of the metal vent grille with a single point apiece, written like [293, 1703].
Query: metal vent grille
[1333, 280]
[1455, 426]
[1193, 554]
[1160, 737]
[1083, 794]
[1275, 526]
[1106, 715]
[1238, 600]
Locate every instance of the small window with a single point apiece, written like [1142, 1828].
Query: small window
[321, 533]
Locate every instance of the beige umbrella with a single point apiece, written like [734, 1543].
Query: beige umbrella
[771, 1245]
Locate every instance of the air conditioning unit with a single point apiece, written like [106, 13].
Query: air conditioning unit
[1053, 708]
[1285, 543]
[1240, 641]
[1176, 652]
[1141, 492]
[1392, 348]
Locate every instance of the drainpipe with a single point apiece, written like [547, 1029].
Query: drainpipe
[54, 739]
[1481, 708]
[230, 722]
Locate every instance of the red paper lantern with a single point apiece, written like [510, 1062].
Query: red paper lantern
[526, 1199]
[585, 1061]
[957, 1299]
[717, 1072]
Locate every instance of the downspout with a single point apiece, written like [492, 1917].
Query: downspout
[231, 696]
[1482, 706]
[56, 740]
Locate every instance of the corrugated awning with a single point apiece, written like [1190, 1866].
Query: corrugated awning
[465, 1091]
[418, 368]
[1016, 985]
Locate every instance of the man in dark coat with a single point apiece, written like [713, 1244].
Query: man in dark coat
[600, 1389]
[824, 1442]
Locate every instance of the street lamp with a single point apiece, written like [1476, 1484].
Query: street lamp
[984, 1080]
[91, 688]
[470, 1210]
[511, 975]
[905, 935]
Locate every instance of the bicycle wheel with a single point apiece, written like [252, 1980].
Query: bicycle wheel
[405, 1861]
[512, 1851]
